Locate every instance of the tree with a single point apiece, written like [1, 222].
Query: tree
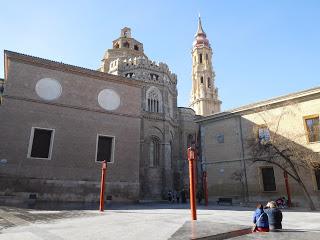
[238, 176]
[275, 143]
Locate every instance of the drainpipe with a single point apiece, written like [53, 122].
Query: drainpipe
[246, 195]
[203, 165]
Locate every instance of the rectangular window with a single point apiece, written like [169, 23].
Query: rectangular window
[317, 175]
[268, 180]
[105, 148]
[312, 128]
[200, 57]
[41, 141]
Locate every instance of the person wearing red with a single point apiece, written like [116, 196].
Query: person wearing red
[260, 220]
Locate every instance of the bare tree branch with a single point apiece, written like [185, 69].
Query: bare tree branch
[282, 149]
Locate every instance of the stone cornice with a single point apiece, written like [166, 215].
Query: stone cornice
[59, 66]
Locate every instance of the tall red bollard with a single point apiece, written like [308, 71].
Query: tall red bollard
[102, 185]
[285, 175]
[191, 158]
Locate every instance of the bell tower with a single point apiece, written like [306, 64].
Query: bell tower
[204, 95]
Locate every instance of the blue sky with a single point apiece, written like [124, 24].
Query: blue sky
[262, 49]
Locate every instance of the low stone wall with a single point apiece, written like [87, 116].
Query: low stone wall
[65, 190]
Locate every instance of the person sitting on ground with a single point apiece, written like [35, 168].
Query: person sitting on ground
[260, 220]
[274, 216]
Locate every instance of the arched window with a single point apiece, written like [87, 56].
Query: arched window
[153, 100]
[200, 57]
[136, 47]
[129, 75]
[209, 83]
[154, 76]
[154, 152]
[116, 45]
[126, 45]
[201, 79]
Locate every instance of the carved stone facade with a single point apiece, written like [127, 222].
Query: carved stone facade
[160, 120]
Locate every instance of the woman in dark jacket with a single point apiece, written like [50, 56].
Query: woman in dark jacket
[274, 216]
[260, 218]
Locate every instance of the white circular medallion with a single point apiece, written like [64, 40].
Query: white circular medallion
[48, 89]
[109, 99]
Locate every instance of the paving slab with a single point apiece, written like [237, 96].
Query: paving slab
[209, 230]
[283, 235]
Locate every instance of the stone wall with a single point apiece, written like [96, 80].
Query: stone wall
[77, 119]
[227, 151]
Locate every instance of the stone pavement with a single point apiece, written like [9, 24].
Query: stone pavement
[285, 235]
[148, 221]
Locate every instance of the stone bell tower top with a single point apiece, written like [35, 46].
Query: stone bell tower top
[124, 47]
[126, 32]
[204, 95]
[200, 38]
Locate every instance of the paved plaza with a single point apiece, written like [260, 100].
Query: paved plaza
[148, 221]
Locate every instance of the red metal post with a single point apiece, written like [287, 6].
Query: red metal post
[285, 175]
[191, 157]
[102, 185]
[195, 160]
[195, 168]
[205, 187]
